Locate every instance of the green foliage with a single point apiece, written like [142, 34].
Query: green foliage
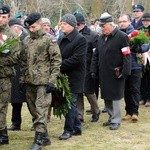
[7, 44]
[139, 38]
[61, 98]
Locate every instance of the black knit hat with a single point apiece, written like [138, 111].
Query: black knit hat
[14, 21]
[146, 17]
[70, 19]
[31, 19]
[4, 9]
[80, 18]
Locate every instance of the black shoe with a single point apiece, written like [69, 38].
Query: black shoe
[14, 128]
[65, 136]
[77, 132]
[104, 110]
[89, 111]
[95, 117]
[114, 126]
[46, 139]
[4, 139]
[107, 123]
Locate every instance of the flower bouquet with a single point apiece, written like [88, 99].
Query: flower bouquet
[136, 40]
[6, 44]
[61, 97]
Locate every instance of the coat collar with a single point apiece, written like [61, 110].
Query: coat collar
[71, 35]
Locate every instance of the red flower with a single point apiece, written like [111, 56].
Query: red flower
[134, 33]
[147, 34]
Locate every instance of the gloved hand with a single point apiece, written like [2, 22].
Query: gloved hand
[50, 88]
[93, 75]
[136, 49]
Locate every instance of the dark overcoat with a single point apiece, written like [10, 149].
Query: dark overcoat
[91, 38]
[18, 92]
[73, 49]
[107, 57]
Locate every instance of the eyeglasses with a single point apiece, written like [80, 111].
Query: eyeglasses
[136, 11]
[123, 21]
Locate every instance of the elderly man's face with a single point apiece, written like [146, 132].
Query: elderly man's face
[4, 18]
[107, 28]
[66, 28]
[46, 27]
[146, 23]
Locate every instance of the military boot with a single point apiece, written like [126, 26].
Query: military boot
[38, 141]
[46, 139]
[4, 137]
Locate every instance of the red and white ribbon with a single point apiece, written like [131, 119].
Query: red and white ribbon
[125, 50]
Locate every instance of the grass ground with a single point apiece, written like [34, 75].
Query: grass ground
[130, 136]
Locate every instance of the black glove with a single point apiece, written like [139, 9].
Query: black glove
[50, 88]
[93, 75]
[136, 49]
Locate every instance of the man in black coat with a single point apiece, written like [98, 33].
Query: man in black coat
[112, 61]
[73, 49]
[18, 90]
[89, 84]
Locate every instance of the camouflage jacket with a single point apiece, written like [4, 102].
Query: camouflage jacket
[7, 60]
[40, 58]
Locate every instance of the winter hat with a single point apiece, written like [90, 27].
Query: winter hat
[146, 17]
[70, 19]
[46, 20]
[14, 21]
[80, 18]
[4, 9]
[105, 18]
[31, 19]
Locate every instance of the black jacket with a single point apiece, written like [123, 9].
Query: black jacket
[107, 57]
[73, 50]
[91, 38]
[18, 92]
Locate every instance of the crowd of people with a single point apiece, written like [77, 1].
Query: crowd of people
[96, 58]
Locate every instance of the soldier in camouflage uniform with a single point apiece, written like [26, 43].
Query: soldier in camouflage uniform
[41, 61]
[6, 71]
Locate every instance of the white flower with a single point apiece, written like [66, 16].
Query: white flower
[4, 37]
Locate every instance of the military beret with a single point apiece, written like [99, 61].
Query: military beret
[31, 19]
[14, 21]
[137, 8]
[146, 17]
[70, 19]
[4, 9]
[105, 18]
[80, 18]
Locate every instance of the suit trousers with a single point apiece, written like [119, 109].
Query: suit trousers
[114, 110]
[92, 99]
[132, 92]
[16, 114]
[72, 122]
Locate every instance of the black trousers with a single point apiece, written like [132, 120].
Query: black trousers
[16, 114]
[145, 86]
[132, 92]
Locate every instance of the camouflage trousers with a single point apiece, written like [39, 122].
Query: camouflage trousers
[38, 103]
[5, 92]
